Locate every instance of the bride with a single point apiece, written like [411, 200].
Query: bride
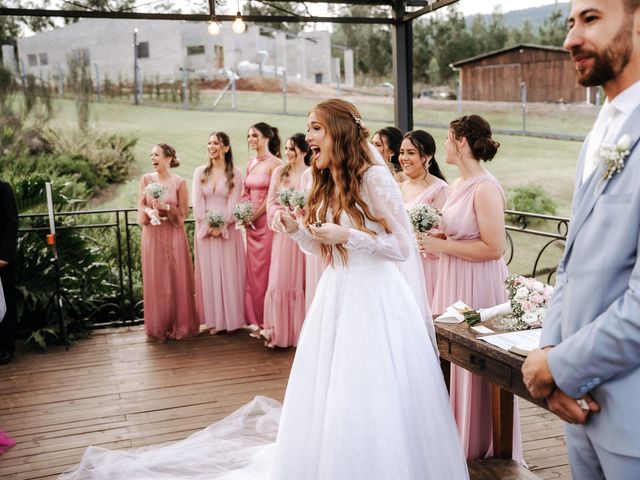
[366, 398]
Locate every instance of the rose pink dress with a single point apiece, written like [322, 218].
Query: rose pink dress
[314, 265]
[284, 305]
[480, 285]
[259, 240]
[434, 195]
[219, 261]
[167, 272]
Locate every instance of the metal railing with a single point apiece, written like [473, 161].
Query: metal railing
[115, 239]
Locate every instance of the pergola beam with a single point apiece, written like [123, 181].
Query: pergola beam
[430, 7]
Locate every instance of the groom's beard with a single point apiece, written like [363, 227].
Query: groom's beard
[608, 64]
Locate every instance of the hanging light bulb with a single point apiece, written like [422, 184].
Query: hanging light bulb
[214, 27]
[238, 24]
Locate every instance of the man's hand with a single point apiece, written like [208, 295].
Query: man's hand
[3, 263]
[568, 408]
[536, 374]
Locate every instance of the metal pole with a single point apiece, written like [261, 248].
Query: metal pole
[284, 91]
[97, 81]
[61, 80]
[136, 100]
[23, 78]
[523, 98]
[185, 89]
[402, 68]
[233, 91]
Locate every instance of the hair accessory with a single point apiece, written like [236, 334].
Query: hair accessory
[358, 121]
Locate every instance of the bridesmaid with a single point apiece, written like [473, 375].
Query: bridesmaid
[219, 252]
[284, 305]
[387, 141]
[167, 273]
[313, 264]
[264, 139]
[472, 269]
[425, 185]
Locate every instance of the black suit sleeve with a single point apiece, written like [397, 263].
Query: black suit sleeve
[8, 223]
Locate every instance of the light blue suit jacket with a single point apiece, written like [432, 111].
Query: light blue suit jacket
[594, 316]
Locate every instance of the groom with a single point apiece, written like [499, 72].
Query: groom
[589, 366]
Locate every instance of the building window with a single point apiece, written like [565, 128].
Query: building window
[32, 59]
[195, 50]
[219, 56]
[44, 59]
[143, 50]
[82, 56]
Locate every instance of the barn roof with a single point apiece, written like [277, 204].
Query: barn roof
[529, 46]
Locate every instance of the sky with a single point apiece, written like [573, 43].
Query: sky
[470, 7]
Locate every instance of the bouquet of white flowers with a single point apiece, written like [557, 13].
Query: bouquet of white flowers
[528, 301]
[423, 218]
[243, 213]
[214, 219]
[158, 192]
[291, 198]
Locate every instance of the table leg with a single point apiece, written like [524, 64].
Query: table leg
[445, 366]
[502, 402]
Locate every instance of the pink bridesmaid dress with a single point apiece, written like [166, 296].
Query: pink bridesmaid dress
[314, 265]
[480, 285]
[219, 261]
[259, 240]
[434, 195]
[284, 305]
[167, 272]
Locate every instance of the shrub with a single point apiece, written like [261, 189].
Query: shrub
[529, 198]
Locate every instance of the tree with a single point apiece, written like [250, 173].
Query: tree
[524, 34]
[553, 29]
[261, 7]
[11, 27]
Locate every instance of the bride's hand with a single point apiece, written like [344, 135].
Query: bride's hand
[330, 233]
[283, 222]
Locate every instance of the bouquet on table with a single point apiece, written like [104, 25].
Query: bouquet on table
[243, 213]
[527, 304]
[292, 198]
[423, 218]
[214, 219]
[157, 192]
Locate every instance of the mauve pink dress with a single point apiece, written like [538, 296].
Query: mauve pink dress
[284, 305]
[434, 195]
[314, 265]
[167, 272]
[259, 240]
[480, 285]
[219, 261]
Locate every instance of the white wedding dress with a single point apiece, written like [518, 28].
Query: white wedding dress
[366, 399]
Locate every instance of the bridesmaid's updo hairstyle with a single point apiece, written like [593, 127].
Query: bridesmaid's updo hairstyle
[271, 134]
[426, 146]
[477, 131]
[298, 140]
[170, 152]
[223, 138]
[393, 137]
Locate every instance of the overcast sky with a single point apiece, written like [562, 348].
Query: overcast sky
[486, 6]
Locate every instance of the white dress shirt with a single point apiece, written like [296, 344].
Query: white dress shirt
[606, 129]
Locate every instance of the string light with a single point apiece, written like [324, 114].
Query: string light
[214, 26]
[238, 24]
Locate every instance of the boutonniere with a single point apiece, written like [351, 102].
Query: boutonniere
[612, 157]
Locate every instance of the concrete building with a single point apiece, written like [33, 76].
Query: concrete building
[167, 47]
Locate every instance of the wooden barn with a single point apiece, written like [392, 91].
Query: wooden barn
[497, 76]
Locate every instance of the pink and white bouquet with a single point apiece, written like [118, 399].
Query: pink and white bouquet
[243, 213]
[214, 219]
[157, 192]
[527, 304]
[423, 218]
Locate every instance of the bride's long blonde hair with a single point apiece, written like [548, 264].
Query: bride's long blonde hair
[349, 159]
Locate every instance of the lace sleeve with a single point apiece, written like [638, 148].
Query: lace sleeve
[386, 202]
[306, 241]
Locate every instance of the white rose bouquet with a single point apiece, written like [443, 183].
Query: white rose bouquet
[423, 218]
[157, 192]
[243, 213]
[214, 219]
[291, 198]
[528, 301]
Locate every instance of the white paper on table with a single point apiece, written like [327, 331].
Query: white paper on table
[482, 329]
[452, 313]
[526, 340]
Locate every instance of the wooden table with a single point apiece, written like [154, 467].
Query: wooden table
[460, 345]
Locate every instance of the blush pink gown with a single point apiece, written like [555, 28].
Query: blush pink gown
[434, 195]
[259, 240]
[284, 305]
[167, 272]
[219, 261]
[480, 285]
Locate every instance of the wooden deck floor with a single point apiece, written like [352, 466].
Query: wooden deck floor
[119, 391]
